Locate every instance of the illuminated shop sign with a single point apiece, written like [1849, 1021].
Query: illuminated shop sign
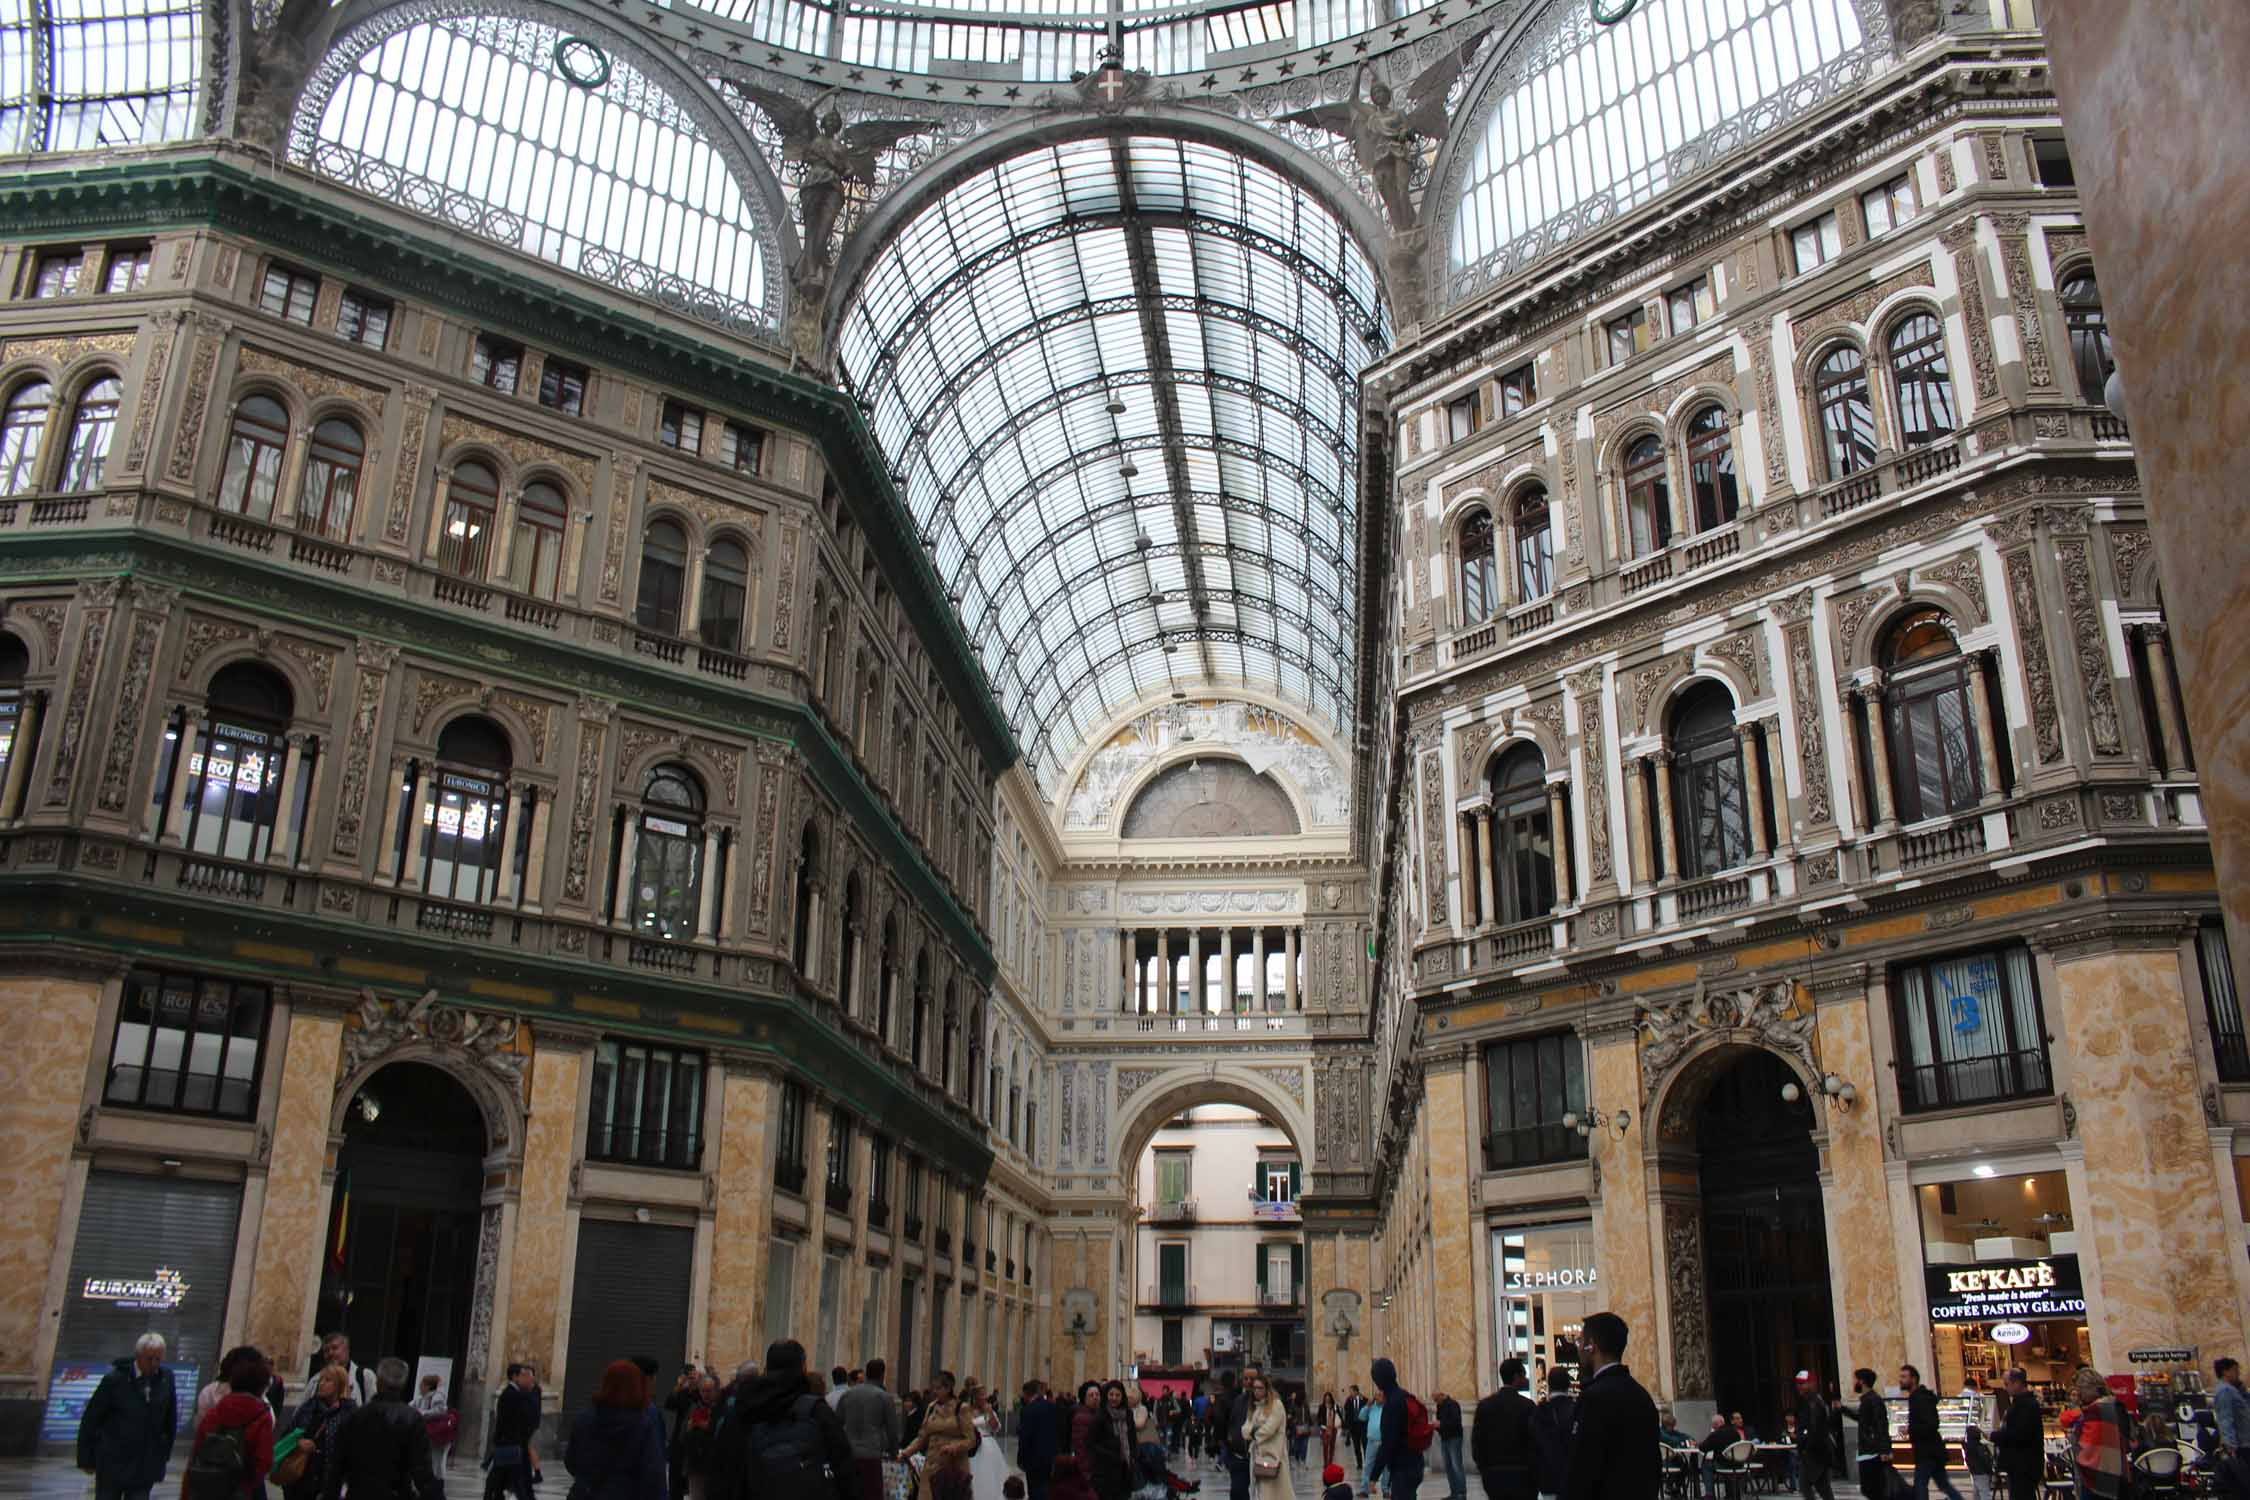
[164, 1290]
[2013, 1290]
[1549, 1281]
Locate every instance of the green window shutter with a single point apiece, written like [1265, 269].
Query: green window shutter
[1261, 1271]
[1296, 1180]
[1297, 1269]
[1257, 1179]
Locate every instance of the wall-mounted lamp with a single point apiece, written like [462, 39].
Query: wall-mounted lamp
[1842, 1094]
[1593, 1120]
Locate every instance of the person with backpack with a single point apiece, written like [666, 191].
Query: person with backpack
[125, 1436]
[382, 1451]
[615, 1452]
[1407, 1434]
[784, 1443]
[233, 1450]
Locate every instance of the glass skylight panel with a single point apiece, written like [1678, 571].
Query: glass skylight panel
[122, 73]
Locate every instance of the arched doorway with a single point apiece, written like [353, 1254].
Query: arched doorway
[1765, 1241]
[399, 1270]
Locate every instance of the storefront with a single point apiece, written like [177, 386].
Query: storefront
[153, 1255]
[1544, 1285]
[2000, 1267]
[629, 1296]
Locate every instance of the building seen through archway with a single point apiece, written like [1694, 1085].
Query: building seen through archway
[1092, 691]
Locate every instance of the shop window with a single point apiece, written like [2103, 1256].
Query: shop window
[1926, 695]
[789, 1138]
[255, 444]
[1544, 1284]
[1530, 1083]
[126, 267]
[1847, 415]
[663, 577]
[647, 1106]
[331, 480]
[746, 447]
[1535, 545]
[230, 798]
[56, 274]
[1969, 1030]
[465, 812]
[2050, 157]
[2081, 299]
[726, 595]
[1817, 243]
[289, 293]
[188, 1044]
[668, 871]
[1922, 379]
[1523, 845]
[1518, 389]
[1888, 206]
[497, 363]
[22, 428]
[1480, 572]
[1711, 474]
[1627, 335]
[472, 500]
[92, 424]
[681, 427]
[1692, 304]
[1712, 803]
[562, 386]
[1648, 497]
[2228, 1045]
[363, 318]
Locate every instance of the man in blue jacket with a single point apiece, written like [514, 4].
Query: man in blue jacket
[1037, 1439]
[1397, 1460]
[125, 1437]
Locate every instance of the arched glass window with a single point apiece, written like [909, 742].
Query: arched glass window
[726, 595]
[1648, 497]
[15, 664]
[1535, 545]
[1712, 804]
[231, 797]
[91, 426]
[332, 480]
[663, 577]
[1932, 740]
[1523, 843]
[2089, 333]
[921, 1029]
[668, 855]
[1710, 456]
[21, 429]
[1480, 573]
[1925, 386]
[535, 552]
[472, 501]
[255, 444]
[807, 935]
[847, 968]
[465, 812]
[76, 75]
[1847, 416]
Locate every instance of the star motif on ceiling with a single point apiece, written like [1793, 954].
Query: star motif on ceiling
[934, 87]
[896, 84]
[1437, 19]
[1011, 92]
[1360, 45]
[1287, 68]
[695, 33]
[655, 18]
[1249, 75]
[817, 69]
[1210, 80]
[1398, 33]
[973, 92]
[773, 59]
[1322, 58]
[856, 76]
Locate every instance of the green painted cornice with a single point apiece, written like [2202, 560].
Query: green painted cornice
[317, 223]
[276, 945]
[244, 581]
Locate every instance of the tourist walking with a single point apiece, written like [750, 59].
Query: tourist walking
[1613, 1452]
[1816, 1452]
[382, 1450]
[783, 1442]
[315, 1421]
[615, 1452]
[1407, 1434]
[1038, 1437]
[1265, 1435]
[691, 1439]
[945, 1420]
[1449, 1437]
[869, 1413]
[1874, 1422]
[1327, 1419]
[233, 1450]
[1355, 1427]
[2230, 1404]
[2100, 1437]
[1501, 1441]
[514, 1421]
[1551, 1433]
[336, 1349]
[1229, 1410]
[2019, 1444]
[1922, 1434]
[125, 1435]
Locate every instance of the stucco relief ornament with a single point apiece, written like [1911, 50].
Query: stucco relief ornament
[1761, 1011]
[1339, 1314]
[387, 1025]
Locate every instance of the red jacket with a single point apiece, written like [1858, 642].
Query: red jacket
[255, 1418]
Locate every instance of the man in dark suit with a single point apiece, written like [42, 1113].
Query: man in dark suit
[1613, 1449]
[1816, 1446]
[1500, 1437]
[2021, 1441]
[1038, 1439]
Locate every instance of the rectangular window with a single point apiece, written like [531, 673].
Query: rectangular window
[789, 1139]
[363, 318]
[289, 293]
[2051, 156]
[562, 386]
[681, 428]
[781, 1289]
[126, 269]
[56, 275]
[647, 1107]
[187, 1044]
[878, 1180]
[1171, 1275]
[2232, 1052]
[1518, 389]
[1969, 1030]
[838, 1176]
[497, 363]
[1172, 1177]
[1529, 1085]
[1463, 415]
[1816, 243]
[1691, 304]
[746, 447]
[910, 1197]
[1277, 1180]
[1888, 206]
[1175, 1343]
[1627, 335]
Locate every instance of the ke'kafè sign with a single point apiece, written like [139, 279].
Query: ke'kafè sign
[2015, 1290]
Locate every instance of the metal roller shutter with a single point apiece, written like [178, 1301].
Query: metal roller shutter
[628, 1298]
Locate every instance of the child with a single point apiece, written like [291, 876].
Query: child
[1978, 1455]
[1332, 1482]
[949, 1473]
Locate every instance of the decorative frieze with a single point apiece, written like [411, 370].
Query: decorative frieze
[1593, 790]
[586, 787]
[153, 374]
[208, 336]
[97, 604]
[2038, 675]
[1968, 271]
[320, 384]
[418, 402]
[523, 451]
[2074, 558]
[125, 739]
[1854, 310]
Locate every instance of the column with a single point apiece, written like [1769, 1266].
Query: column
[1128, 947]
[1636, 821]
[510, 811]
[706, 926]
[1980, 722]
[1879, 751]
[1166, 1000]
[1777, 786]
[1263, 1001]
[535, 865]
[2159, 643]
[1289, 971]
[1558, 831]
[621, 900]
[425, 803]
[281, 848]
[438, 495]
[19, 757]
[1199, 996]
[691, 611]
[1854, 782]
[1487, 912]
[504, 522]
[1666, 830]
[175, 831]
[1754, 785]
[293, 459]
[733, 849]
[1228, 1001]
[1454, 1225]
[386, 837]
[539, 1273]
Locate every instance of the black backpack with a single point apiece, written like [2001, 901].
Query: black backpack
[787, 1460]
[220, 1467]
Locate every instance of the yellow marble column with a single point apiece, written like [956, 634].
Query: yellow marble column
[2163, 1269]
[1863, 1257]
[46, 1041]
[744, 1173]
[293, 1229]
[1445, 1108]
[536, 1289]
[1622, 1251]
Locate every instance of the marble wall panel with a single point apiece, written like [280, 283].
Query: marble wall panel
[294, 1224]
[46, 1032]
[1621, 1220]
[536, 1288]
[1452, 1245]
[1863, 1257]
[744, 1173]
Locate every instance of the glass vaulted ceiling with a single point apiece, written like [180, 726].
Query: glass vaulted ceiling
[1118, 380]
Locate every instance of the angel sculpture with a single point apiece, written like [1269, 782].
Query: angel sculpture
[1383, 138]
[831, 156]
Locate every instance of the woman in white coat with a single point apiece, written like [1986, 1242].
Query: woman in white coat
[1266, 1429]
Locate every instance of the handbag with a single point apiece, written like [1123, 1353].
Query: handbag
[1266, 1468]
[291, 1469]
[443, 1428]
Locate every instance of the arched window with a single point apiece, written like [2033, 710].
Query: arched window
[1480, 573]
[1535, 544]
[535, 551]
[886, 982]
[1713, 805]
[1932, 737]
[668, 868]
[806, 937]
[663, 577]
[231, 793]
[1648, 497]
[823, 624]
[1847, 416]
[254, 447]
[921, 1032]
[465, 812]
[331, 480]
[91, 426]
[847, 968]
[21, 429]
[726, 594]
[2089, 333]
[472, 500]
[1925, 386]
[1523, 844]
[1710, 456]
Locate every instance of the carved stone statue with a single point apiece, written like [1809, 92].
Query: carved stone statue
[831, 156]
[1386, 139]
